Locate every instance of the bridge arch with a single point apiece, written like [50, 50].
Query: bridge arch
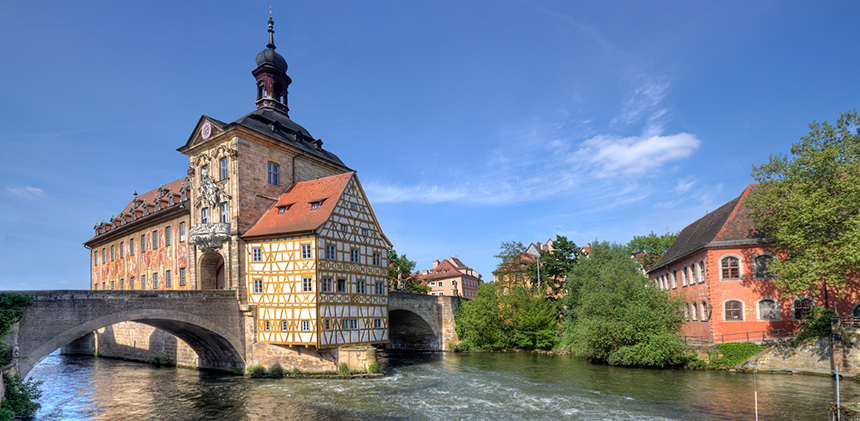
[421, 322]
[408, 330]
[209, 322]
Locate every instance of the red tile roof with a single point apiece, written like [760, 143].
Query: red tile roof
[299, 216]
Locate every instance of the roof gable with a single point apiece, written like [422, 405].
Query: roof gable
[295, 210]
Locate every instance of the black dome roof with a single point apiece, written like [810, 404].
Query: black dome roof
[269, 56]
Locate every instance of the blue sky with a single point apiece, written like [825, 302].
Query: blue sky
[469, 123]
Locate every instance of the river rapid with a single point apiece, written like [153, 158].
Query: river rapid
[431, 386]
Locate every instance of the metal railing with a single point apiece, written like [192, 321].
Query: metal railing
[753, 336]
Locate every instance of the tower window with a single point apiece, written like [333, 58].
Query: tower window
[222, 164]
[274, 174]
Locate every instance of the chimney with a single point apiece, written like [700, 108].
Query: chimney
[435, 263]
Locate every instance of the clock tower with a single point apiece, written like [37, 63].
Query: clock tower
[271, 74]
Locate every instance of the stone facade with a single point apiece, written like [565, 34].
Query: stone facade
[435, 314]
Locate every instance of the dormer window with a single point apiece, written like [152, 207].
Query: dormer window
[316, 205]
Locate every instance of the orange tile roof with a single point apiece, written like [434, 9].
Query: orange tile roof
[299, 216]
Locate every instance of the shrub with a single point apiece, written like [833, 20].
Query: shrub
[20, 398]
[816, 326]
[735, 353]
[256, 371]
[162, 360]
[277, 372]
[343, 369]
[296, 371]
[236, 370]
[12, 304]
[373, 368]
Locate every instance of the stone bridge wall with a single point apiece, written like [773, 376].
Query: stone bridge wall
[209, 321]
[437, 311]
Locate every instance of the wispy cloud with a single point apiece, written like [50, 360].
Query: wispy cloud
[612, 156]
[546, 157]
[27, 192]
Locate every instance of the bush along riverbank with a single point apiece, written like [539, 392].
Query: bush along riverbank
[19, 396]
[278, 372]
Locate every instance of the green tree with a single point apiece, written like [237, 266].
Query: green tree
[479, 322]
[616, 317]
[648, 249]
[808, 208]
[509, 251]
[19, 400]
[504, 317]
[554, 266]
[401, 276]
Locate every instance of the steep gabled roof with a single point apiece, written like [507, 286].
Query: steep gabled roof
[726, 225]
[146, 199]
[298, 215]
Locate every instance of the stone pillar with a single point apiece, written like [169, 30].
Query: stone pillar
[85, 345]
[356, 357]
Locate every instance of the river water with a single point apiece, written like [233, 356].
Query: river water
[431, 386]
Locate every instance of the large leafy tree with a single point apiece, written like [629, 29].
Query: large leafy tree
[401, 276]
[808, 207]
[554, 265]
[616, 317]
[509, 251]
[648, 249]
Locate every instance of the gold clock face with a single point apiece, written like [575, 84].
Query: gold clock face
[206, 130]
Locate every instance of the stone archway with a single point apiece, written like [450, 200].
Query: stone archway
[408, 330]
[211, 270]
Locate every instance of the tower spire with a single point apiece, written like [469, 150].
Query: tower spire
[271, 43]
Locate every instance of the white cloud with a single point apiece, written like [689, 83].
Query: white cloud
[684, 186]
[635, 155]
[27, 192]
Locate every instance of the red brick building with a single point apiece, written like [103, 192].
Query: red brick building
[720, 265]
[451, 277]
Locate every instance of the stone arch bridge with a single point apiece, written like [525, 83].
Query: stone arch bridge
[211, 322]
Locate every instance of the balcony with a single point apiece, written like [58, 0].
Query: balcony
[210, 236]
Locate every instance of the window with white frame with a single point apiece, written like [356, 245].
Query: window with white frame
[112, 255]
[768, 310]
[306, 325]
[222, 165]
[674, 279]
[341, 286]
[730, 268]
[379, 289]
[154, 239]
[143, 243]
[701, 271]
[267, 326]
[168, 232]
[330, 252]
[182, 232]
[284, 326]
[359, 287]
[131, 246]
[112, 285]
[705, 312]
[142, 282]
[734, 311]
[168, 282]
[121, 249]
[204, 215]
[258, 286]
[326, 285]
[256, 254]
[327, 324]
[761, 269]
[182, 277]
[274, 174]
[121, 284]
[353, 324]
[693, 274]
[377, 323]
[353, 255]
[155, 280]
[307, 285]
[364, 232]
[306, 251]
[694, 312]
[95, 258]
[377, 260]
[131, 283]
[353, 206]
[686, 311]
[315, 205]
[225, 215]
[343, 227]
[803, 308]
[684, 277]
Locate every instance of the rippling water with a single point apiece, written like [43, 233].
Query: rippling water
[430, 386]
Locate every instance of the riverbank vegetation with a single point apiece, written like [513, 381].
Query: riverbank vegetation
[12, 304]
[608, 311]
[19, 399]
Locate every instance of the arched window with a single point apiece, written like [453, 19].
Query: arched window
[704, 311]
[734, 311]
[684, 276]
[730, 268]
[701, 271]
[856, 313]
[761, 264]
[803, 307]
[674, 278]
[686, 312]
[695, 312]
[768, 310]
[693, 275]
